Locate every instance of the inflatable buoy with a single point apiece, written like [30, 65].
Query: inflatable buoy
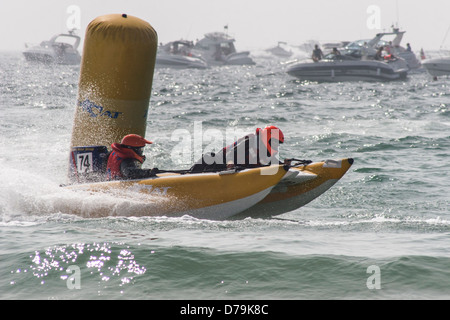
[115, 83]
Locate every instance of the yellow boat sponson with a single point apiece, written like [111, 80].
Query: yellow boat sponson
[300, 185]
[212, 196]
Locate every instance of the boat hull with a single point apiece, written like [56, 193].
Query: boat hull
[179, 62]
[437, 67]
[258, 193]
[346, 71]
[239, 59]
[49, 56]
[214, 196]
[300, 186]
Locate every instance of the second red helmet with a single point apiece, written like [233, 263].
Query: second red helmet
[134, 140]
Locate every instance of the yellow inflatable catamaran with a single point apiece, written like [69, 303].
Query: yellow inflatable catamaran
[113, 97]
[258, 192]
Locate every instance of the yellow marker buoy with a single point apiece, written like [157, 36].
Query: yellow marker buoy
[114, 90]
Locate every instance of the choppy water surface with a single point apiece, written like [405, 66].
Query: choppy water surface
[388, 217]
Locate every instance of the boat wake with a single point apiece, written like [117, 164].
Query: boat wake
[28, 197]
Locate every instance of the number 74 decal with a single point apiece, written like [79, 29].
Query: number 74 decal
[84, 162]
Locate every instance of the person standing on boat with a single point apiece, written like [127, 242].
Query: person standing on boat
[364, 51]
[408, 47]
[126, 159]
[336, 52]
[422, 54]
[317, 54]
[251, 151]
[379, 54]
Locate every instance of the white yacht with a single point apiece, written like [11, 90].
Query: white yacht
[339, 68]
[60, 49]
[217, 48]
[178, 55]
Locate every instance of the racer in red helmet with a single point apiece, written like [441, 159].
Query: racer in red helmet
[271, 137]
[253, 150]
[126, 159]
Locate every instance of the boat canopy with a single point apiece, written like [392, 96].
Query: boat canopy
[66, 38]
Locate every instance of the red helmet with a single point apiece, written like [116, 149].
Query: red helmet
[269, 133]
[134, 140]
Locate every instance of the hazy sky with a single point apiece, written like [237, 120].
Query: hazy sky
[256, 24]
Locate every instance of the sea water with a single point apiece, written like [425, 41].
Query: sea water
[382, 232]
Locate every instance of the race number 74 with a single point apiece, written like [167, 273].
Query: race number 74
[84, 162]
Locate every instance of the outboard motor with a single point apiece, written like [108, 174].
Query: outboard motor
[88, 164]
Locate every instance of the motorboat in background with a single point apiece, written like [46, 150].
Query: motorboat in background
[60, 49]
[437, 66]
[337, 68]
[178, 54]
[280, 51]
[217, 48]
